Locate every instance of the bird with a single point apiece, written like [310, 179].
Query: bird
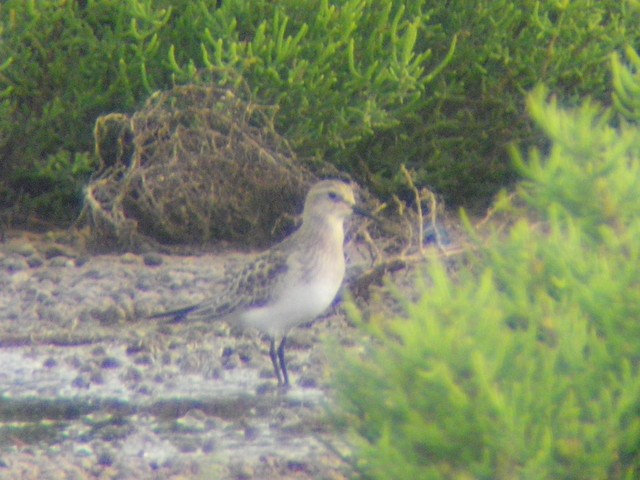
[291, 283]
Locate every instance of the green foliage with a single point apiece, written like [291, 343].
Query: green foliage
[52, 191]
[626, 97]
[458, 142]
[337, 72]
[61, 66]
[527, 364]
[367, 85]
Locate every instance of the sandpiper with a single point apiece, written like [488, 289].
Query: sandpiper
[291, 283]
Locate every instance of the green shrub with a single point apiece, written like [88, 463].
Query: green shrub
[336, 72]
[367, 85]
[62, 66]
[527, 363]
[626, 97]
[458, 140]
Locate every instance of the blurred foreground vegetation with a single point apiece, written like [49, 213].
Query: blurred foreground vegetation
[367, 85]
[524, 363]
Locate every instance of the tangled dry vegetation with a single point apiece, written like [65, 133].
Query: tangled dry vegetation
[197, 164]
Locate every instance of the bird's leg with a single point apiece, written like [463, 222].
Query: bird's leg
[274, 360]
[283, 364]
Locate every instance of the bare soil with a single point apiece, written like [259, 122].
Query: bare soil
[91, 388]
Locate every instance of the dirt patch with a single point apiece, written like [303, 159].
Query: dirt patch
[91, 389]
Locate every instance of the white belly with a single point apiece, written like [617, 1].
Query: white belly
[295, 306]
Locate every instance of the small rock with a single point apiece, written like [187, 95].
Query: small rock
[135, 348]
[81, 381]
[35, 261]
[308, 381]
[80, 261]
[152, 259]
[50, 362]
[106, 458]
[56, 251]
[110, 362]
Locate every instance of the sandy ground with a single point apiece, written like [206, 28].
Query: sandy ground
[91, 389]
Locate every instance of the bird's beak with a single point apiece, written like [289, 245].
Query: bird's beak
[363, 213]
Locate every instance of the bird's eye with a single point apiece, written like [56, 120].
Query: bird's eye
[333, 195]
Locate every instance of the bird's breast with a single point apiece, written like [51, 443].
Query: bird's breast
[300, 301]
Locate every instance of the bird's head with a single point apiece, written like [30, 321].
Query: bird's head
[329, 199]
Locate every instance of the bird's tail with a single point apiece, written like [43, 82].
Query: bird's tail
[176, 315]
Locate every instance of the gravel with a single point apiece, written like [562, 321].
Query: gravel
[90, 387]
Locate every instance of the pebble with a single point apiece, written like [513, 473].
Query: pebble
[105, 458]
[50, 362]
[81, 381]
[35, 261]
[308, 381]
[52, 251]
[110, 362]
[80, 261]
[152, 259]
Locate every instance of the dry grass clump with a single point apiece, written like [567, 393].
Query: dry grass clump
[197, 164]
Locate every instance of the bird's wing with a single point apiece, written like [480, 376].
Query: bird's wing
[252, 285]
